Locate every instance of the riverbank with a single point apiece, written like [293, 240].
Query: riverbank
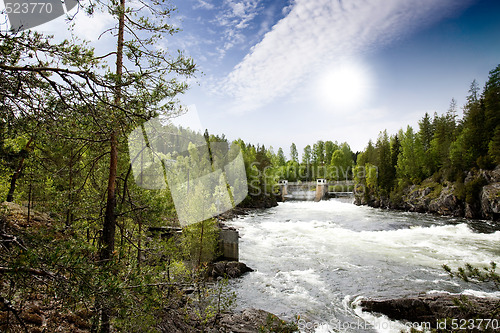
[48, 308]
[477, 197]
[248, 205]
[441, 311]
[245, 321]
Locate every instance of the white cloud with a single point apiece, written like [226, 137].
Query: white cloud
[91, 27]
[204, 4]
[234, 17]
[234, 14]
[86, 27]
[316, 33]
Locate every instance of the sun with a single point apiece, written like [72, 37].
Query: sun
[344, 86]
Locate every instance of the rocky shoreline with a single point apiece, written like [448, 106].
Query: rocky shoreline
[436, 308]
[478, 197]
[245, 321]
[249, 205]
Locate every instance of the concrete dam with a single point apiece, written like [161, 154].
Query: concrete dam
[315, 190]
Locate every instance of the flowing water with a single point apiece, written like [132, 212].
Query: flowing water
[317, 260]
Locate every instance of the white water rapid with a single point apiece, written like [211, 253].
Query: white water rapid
[317, 260]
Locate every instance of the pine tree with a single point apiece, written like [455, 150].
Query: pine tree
[426, 131]
[469, 144]
[444, 135]
[318, 153]
[395, 150]
[410, 160]
[294, 155]
[494, 147]
[491, 98]
[306, 155]
[384, 163]
[281, 159]
[330, 147]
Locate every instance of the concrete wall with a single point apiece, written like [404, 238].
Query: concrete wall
[228, 244]
[321, 189]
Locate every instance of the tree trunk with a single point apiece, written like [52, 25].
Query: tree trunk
[69, 210]
[108, 232]
[109, 227]
[17, 173]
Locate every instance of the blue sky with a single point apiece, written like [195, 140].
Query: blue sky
[301, 71]
[276, 72]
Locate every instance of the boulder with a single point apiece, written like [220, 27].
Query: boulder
[251, 321]
[491, 176]
[230, 269]
[16, 216]
[246, 321]
[490, 201]
[417, 199]
[433, 307]
[446, 203]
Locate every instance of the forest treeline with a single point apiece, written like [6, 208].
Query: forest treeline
[444, 150]
[265, 167]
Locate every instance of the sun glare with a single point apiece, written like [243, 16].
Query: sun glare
[344, 86]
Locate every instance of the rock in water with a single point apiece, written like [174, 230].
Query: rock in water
[230, 269]
[433, 307]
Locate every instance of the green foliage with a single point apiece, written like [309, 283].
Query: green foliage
[410, 161]
[461, 155]
[281, 159]
[60, 266]
[307, 155]
[274, 324]
[330, 147]
[211, 301]
[342, 162]
[444, 148]
[438, 155]
[491, 98]
[321, 160]
[386, 170]
[460, 191]
[318, 153]
[68, 114]
[494, 147]
[473, 191]
[396, 195]
[371, 176]
[478, 275]
[294, 155]
[200, 242]
[426, 131]
[469, 273]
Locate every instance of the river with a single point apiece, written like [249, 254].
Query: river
[317, 260]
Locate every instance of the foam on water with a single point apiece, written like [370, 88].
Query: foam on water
[469, 292]
[308, 256]
[429, 246]
[380, 323]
